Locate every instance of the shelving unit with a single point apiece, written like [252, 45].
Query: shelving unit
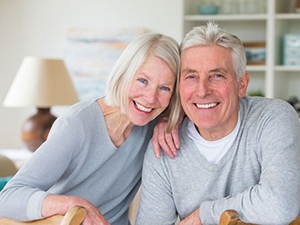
[274, 19]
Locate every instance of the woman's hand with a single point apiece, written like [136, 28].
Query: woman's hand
[94, 217]
[59, 204]
[169, 142]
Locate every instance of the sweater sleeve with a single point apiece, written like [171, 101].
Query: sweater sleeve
[275, 199]
[156, 189]
[23, 196]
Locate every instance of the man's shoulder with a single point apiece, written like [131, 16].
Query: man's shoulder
[258, 110]
[268, 102]
[265, 105]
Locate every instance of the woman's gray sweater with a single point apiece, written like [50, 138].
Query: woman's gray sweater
[79, 159]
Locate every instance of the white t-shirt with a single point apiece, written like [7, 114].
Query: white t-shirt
[212, 151]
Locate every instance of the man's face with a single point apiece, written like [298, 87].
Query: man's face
[209, 90]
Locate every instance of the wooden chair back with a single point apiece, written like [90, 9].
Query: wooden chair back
[231, 217]
[74, 216]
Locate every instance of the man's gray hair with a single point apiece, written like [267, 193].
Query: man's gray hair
[213, 35]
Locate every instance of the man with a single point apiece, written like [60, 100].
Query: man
[236, 152]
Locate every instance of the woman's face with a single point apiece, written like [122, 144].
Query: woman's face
[150, 91]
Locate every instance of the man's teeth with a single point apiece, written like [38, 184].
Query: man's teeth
[206, 106]
[143, 108]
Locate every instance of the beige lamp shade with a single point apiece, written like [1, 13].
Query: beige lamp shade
[41, 83]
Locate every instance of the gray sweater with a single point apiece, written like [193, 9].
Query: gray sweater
[79, 159]
[259, 176]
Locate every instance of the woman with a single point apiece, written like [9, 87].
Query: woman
[94, 153]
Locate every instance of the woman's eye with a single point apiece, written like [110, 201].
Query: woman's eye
[142, 80]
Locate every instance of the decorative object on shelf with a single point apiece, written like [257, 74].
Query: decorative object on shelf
[297, 6]
[208, 7]
[255, 53]
[41, 83]
[291, 49]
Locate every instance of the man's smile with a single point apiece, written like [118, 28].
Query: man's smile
[207, 106]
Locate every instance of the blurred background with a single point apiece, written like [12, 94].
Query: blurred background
[270, 30]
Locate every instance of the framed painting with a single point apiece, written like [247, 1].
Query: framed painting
[90, 55]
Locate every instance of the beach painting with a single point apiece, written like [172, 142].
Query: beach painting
[90, 55]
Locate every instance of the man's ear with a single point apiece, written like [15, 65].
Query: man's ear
[243, 84]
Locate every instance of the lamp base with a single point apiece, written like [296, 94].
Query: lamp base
[35, 130]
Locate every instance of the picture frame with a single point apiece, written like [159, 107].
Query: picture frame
[255, 53]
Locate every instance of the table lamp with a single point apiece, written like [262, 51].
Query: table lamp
[41, 83]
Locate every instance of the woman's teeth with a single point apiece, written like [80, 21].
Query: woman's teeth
[142, 108]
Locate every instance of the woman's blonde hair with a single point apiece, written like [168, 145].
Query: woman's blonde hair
[120, 78]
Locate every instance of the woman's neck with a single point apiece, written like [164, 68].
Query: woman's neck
[118, 125]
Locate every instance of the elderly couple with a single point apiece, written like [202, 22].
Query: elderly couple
[221, 148]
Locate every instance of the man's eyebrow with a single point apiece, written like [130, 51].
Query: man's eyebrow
[187, 70]
[219, 69]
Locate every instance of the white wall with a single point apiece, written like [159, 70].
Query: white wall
[38, 28]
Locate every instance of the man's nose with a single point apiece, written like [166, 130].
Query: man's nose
[203, 88]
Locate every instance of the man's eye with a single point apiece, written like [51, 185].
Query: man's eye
[218, 75]
[164, 88]
[191, 76]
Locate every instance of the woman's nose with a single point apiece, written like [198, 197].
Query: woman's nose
[151, 95]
